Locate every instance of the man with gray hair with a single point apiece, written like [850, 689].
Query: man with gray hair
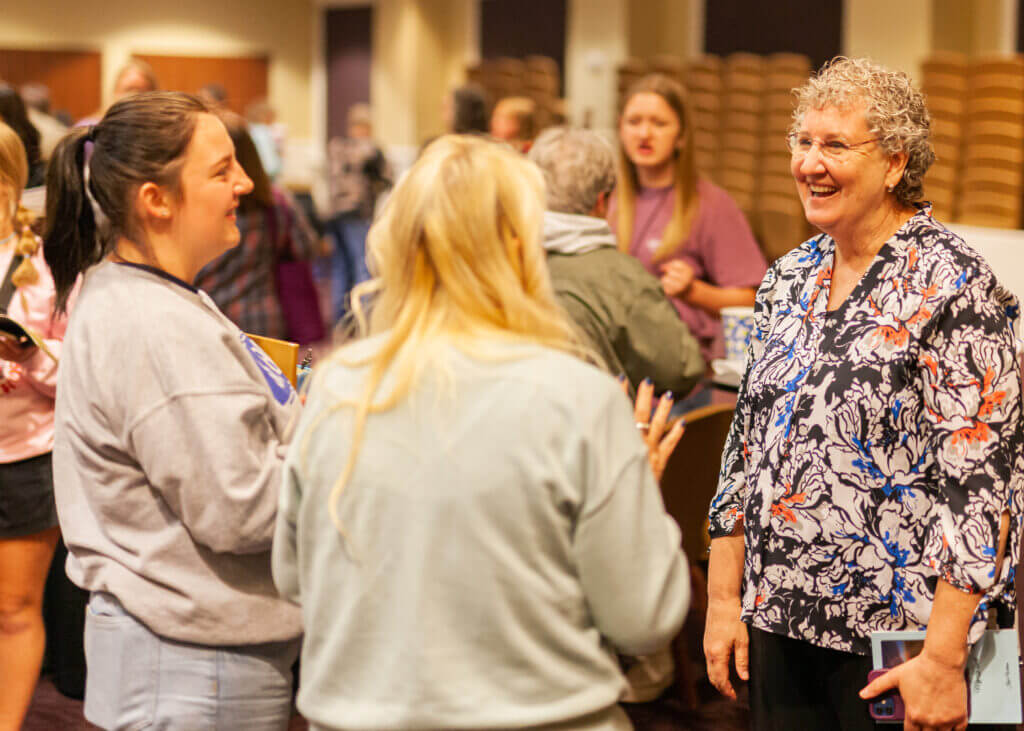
[620, 307]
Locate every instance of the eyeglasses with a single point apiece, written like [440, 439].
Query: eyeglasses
[834, 150]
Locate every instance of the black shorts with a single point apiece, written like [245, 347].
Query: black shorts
[26, 497]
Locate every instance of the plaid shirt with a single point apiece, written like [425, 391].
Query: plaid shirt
[241, 281]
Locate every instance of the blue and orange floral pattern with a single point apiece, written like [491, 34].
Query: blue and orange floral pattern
[876, 446]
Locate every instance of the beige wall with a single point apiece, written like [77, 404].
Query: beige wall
[420, 50]
[180, 27]
[666, 26]
[895, 34]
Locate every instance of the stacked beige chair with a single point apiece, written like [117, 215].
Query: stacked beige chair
[944, 82]
[542, 85]
[703, 82]
[778, 220]
[536, 77]
[991, 178]
[743, 79]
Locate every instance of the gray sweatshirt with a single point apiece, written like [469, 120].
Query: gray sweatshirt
[171, 428]
[502, 535]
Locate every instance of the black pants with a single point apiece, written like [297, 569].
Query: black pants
[797, 685]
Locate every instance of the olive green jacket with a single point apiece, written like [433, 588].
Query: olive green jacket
[619, 306]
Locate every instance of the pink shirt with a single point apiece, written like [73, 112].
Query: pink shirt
[27, 389]
[721, 249]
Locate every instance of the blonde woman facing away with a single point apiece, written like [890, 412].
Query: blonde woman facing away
[469, 518]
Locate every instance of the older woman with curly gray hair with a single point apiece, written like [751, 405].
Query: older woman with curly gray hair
[872, 478]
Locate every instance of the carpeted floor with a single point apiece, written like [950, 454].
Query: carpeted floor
[50, 710]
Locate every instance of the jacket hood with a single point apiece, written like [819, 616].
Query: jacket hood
[569, 233]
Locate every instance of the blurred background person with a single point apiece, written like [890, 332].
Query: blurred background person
[465, 110]
[357, 174]
[14, 114]
[37, 103]
[214, 94]
[271, 227]
[28, 378]
[619, 305]
[267, 136]
[135, 77]
[513, 121]
[683, 228]
[462, 485]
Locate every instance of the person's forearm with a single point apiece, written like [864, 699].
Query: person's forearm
[725, 567]
[946, 640]
[712, 299]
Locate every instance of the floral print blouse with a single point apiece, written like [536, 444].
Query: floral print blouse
[876, 446]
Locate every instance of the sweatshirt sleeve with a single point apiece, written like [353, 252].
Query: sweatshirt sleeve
[627, 549]
[215, 459]
[284, 554]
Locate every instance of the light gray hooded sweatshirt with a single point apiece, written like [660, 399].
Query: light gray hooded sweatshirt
[171, 429]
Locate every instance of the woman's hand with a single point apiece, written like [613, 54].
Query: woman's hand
[10, 350]
[724, 636]
[676, 277]
[934, 693]
[652, 427]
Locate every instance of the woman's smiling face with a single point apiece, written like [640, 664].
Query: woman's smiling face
[841, 172]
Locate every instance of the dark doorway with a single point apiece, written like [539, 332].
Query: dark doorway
[755, 26]
[520, 28]
[349, 49]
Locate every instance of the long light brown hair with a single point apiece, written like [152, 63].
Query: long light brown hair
[684, 209]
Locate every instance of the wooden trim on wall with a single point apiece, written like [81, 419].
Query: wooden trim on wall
[245, 78]
[73, 76]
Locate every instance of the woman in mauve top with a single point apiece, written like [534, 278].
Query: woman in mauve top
[685, 230]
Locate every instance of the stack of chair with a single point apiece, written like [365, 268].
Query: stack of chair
[535, 77]
[703, 82]
[944, 82]
[778, 220]
[991, 180]
[667, 65]
[740, 142]
[542, 85]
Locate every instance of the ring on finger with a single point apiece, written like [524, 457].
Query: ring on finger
[643, 426]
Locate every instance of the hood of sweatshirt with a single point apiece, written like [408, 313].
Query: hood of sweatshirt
[569, 233]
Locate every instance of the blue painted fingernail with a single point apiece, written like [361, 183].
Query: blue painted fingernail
[621, 377]
[668, 395]
[648, 381]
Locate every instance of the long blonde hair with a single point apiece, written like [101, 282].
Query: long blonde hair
[684, 209]
[456, 257]
[14, 176]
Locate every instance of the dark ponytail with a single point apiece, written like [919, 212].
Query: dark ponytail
[142, 138]
[71, 243]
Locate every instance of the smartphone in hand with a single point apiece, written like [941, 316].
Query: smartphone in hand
[889, 705]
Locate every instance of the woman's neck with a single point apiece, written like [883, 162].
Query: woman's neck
[170, 259]
[656, 176]
[6, 226]
[858, 247]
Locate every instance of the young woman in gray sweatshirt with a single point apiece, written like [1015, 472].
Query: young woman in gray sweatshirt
[171, 427]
